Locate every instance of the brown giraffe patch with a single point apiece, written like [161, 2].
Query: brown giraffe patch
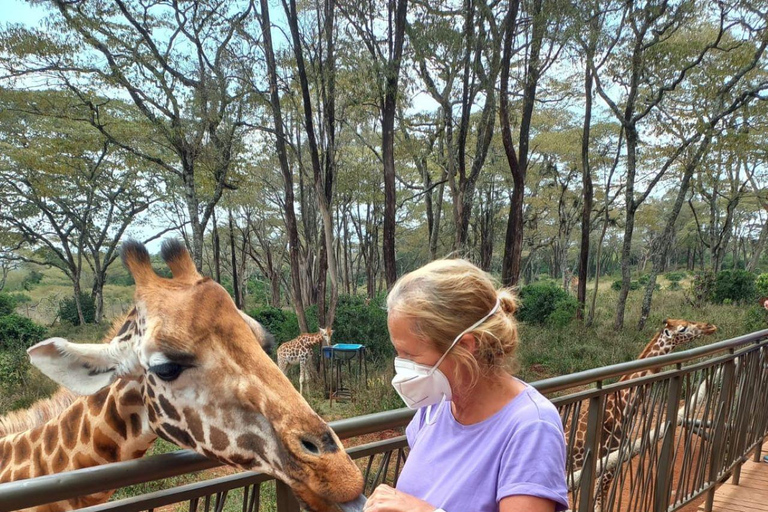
[151, 414]
[40, 462]
[113, 419]
[50, 437]
[96, 402]
[21, 473]
[70, 425]
[131, 398]
[60, 461]
[21, 451]
[219, 440]
[35, 433]
[251, 442]
[135, 424]
[83, 460]
[194, 424]
[176, 435]
[104, 446]
[169, 410]
[85, 431]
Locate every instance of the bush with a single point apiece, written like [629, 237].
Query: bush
[34, 277]
[68, 309]
[674, 285]
[19, 332]
[761, 285]
[20, 298]
[633, 285]
[355, 322]
[736, 285]
[643, 279]
[540, 301]
[755, 319]
[676, 276]
[702, 287]
[7, 304]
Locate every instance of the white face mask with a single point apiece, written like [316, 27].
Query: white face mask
[420, 385]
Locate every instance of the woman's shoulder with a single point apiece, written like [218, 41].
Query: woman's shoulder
[531, 407]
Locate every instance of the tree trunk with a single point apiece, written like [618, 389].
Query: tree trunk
[290, 214]
[233, 249]
[626, 247]
[216, 249]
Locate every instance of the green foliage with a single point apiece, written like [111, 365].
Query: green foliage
[756, 319]
[643, 279]
[633, 285]
[674, 285]
[120, 279]
[676, 276]
[736, 285]
[546, 303]
[20, 298]
[7, 304]
[19, 332]
[282, 324]
[702, 287]
[68, 309]
[357, 322]
[761, 285]
[34, 277]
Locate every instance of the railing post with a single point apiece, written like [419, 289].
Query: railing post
[666, 465]
[592, 451]
[718, 437]
[286, 501]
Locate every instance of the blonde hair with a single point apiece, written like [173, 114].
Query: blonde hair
[447, 296]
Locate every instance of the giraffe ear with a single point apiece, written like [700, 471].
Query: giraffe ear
[265, 339]
[82, 368]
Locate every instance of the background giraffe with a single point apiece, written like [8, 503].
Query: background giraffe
[674, 333]
[299, 351]
[186, 366]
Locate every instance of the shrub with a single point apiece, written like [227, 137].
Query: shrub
[68, 309]
[633, 285]
[19, 332]
[34, 277]
[540, 301]
[674, 285]
[7, 304]
[20, 298]
[761, 285]
[755, 319]
[564, 313]
[702, 287]
[355, 322]
[736, 285]
[643, 279]
[676, 276]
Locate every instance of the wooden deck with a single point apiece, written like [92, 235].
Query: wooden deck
[751, 495]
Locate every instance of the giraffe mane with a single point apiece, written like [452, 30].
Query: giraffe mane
[38, 414]
[46, 409]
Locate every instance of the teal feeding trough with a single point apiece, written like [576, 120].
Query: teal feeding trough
[338, 365]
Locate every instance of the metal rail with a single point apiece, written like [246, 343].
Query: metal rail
[682, 431]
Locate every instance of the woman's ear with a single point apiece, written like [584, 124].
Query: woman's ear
[469, 342]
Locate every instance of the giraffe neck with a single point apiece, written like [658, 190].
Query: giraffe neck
[109, 426]
[661, 344]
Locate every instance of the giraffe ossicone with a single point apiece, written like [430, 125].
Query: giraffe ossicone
[189, 367]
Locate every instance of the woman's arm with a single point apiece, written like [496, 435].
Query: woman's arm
[523, 503]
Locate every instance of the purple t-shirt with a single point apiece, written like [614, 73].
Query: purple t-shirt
[520, 450]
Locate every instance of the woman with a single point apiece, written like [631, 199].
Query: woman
[482, 440]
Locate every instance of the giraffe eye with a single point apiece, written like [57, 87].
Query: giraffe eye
[683, 328]
[167, 371]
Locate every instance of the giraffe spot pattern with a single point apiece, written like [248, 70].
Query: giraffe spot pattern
[70, 424]
[219, 440]
[104, 446]
[169, 410]
[113, 419]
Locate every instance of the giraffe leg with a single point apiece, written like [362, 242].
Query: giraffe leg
[302, 376]
[282, 364]
[603, 487]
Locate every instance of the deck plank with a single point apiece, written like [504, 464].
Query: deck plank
[751, 495]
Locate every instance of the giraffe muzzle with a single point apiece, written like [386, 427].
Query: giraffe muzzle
[355, 505]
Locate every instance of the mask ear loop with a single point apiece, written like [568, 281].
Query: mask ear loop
[465, 331]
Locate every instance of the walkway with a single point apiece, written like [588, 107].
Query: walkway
[751, 495]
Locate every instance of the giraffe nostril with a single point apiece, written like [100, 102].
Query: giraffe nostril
[310, 447]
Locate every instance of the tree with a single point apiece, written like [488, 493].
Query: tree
[183, 67]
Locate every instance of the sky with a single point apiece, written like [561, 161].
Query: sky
[19, 11]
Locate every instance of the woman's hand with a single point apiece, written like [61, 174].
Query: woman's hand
[388, 499]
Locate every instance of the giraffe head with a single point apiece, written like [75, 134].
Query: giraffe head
[326, 332]
[677, 332]
[207, 383]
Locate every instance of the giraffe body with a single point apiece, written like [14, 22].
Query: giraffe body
[674, 333]
[186, 365]
[299, 352]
